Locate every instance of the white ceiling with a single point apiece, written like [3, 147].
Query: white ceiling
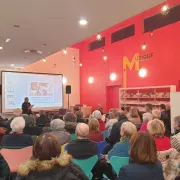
[55, 23]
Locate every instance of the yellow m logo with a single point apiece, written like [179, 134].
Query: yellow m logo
[130, 65]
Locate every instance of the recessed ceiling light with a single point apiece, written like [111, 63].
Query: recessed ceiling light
[27, 51]
[7, 40]
[80, 64]
[98, 37]
[39, 52]
[12, 65]
[1, 47]
[144, 46]
[17, 26]
[44, 60]
[83, 22]
[105, 58]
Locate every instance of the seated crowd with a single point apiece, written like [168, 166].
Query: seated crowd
[60, 142]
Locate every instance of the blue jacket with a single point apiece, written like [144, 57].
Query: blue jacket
[136, 171]
[120, 149]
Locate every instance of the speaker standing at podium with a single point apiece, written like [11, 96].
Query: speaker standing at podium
[26, 107]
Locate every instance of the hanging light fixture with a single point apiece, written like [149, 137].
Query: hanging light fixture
[90, 80]
[165, 9]
[98, 37]
[105, 57]
[44, 60]
[80, 64]
[64, 51]
[143, 73]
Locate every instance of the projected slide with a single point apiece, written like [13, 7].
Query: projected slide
[44, 90]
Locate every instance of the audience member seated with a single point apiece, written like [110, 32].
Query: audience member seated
[122, 148]
[148, 108]
[47, 163]
[175, 140]
[157, 130]
[144, 164]
[16, 139]
[42, 120]
[134, 116]
[30, 126]
[82, 148]
[112, 118]
[58, 129]
[115, 132]
[156, 114]
[70, 122]
[164, 117]
[79, 116]
[16, 113]
[97, 115]
[94, 132]
[146, 118]
[166, 154]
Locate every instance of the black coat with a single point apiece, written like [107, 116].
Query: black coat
[82, 149]
[42, 120]
[136, 171]
[115, 132]
[16, 141]
[164, 117]
[56, 169]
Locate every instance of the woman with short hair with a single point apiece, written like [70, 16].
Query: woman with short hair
[144, 164]
[156, 114]
[97, 115]
[16, 138]
[94, 132]
[157, 129]
[122, 148]
[47, 163]
[146, 118]
[58, 129]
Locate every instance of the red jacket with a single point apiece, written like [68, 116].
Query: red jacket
[95, 136]
[163, 143]
[102, 125]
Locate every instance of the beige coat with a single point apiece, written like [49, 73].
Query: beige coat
[169, 161]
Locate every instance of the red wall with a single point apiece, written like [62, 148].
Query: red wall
[163, 68]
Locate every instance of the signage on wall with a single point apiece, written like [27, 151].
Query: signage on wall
[133, 63]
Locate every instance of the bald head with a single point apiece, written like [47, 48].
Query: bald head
[82, 130]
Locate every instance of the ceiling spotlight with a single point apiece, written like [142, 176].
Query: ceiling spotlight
[80, 64]
[98, 37]
[113, 76]
[105, 58]
[144, 46]
[64, 80]
[44, 60]
[64, 51]
[83, 22]
[143, 73]
[90, 80]
[7, 40]
[39, 52]
[165, 9]
[12, 65]
[151, 33]
[27, 51]
[1, 47]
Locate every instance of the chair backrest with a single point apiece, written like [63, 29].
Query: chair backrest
[73, 137]
[105, 134]
[86, 165]
[101, 146]
[118, 162]
[15, 157]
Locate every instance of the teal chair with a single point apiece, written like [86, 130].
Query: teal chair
[105, 134]
[118, 162]
[87, 165]
[73, 137]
